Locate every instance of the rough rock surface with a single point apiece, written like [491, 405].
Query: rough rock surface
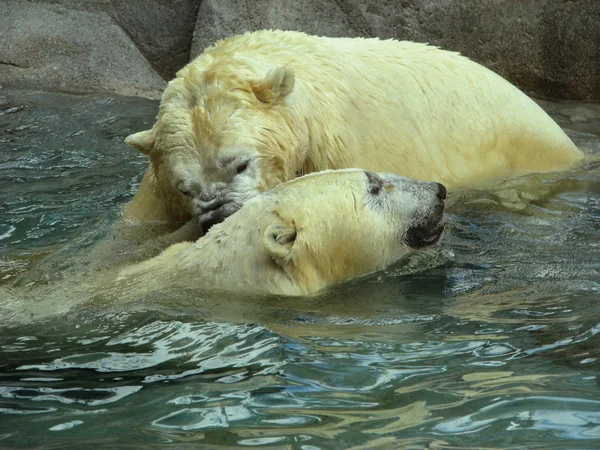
[548, 48]
[218, 19]
[52, 46]
[161, 29]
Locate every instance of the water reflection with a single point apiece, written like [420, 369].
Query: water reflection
[567, 417]
[489, 341]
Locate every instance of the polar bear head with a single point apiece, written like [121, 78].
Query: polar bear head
[331, 226]
[225, 132]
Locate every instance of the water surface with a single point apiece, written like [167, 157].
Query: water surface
[489, 341]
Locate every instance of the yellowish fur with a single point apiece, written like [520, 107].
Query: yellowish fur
[308, 103]
[297, 239]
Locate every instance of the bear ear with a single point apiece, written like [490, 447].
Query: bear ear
[275, 85]
[279, 239]
[142, 141]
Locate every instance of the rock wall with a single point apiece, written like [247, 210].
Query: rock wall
[549, 48]
[129, 47]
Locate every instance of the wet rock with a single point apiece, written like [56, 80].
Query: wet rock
[580, 113]
[55, 47]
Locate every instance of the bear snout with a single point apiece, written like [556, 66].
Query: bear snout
[428, 230]
[215, 211]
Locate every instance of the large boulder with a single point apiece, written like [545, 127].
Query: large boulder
[547, 48]
[54, 47]
[161, 29]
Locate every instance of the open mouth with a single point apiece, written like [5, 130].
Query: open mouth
[423, 236]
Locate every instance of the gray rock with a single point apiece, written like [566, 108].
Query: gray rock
[549, 49]
[161, 29]
[55, 47]
[577, 113]
[218, 19]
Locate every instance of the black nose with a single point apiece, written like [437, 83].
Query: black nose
[441, 194]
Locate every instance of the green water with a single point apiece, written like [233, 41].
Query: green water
[489, 341]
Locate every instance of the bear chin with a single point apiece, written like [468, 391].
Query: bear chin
[423, 236]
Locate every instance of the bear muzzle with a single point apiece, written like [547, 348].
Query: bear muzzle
[215, 211]
[428, 231]
[211, 211]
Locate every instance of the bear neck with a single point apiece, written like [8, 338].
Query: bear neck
[232, 257]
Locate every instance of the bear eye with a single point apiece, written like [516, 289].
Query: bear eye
[375, 190]
[241, 167]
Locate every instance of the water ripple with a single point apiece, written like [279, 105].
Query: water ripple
[490, 340]
[565, 417]
[206, 347]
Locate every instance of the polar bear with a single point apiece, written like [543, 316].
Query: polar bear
[301, 237]
[258, 109]
[294, 240]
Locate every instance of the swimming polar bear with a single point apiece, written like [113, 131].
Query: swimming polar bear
[301, 237]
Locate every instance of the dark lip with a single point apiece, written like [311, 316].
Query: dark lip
[437, 235]
[425, 236]
[208, 224]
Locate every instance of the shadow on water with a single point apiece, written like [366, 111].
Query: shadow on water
[488, 341]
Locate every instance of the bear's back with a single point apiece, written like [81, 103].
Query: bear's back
[404, 107]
